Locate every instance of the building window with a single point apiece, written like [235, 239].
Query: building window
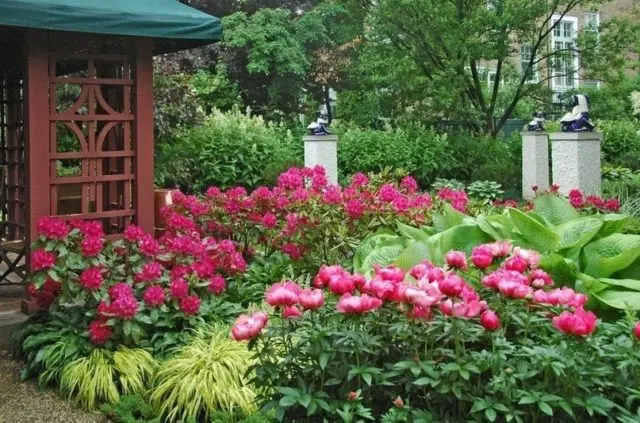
[564, 67]
[526, 53]
[592, 22]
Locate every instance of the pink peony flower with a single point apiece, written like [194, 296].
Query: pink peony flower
[349, 304]
[390, 273]
[154, 296]
[248, 327]
[282, 294]
[311, 299]
[291, 312]
[539, 278]
[419, 271]
[451, 285]
[418, 312]
[422, 297]
[446, 307]
[481, 261]
[490, 320]
[456, 260]
[579, 323]
[517, 264]
[190, 304]
[91, 278]
[99, 332]
[120, 290]
[41, 259]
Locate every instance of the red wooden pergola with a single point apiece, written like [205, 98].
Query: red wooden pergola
[76, 111]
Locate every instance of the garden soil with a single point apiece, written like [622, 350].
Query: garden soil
[23, 402]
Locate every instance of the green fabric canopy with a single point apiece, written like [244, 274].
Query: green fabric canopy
[166, 19]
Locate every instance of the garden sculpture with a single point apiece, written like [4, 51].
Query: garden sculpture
[537, 123]
[578, 119]
[321, 126]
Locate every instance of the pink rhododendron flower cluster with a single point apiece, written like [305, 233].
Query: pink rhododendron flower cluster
[178, 269]
[286, 217]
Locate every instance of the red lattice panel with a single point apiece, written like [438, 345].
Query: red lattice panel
[91, 149]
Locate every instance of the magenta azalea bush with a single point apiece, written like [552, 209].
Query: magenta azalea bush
[486, 337]
[308, 219]
[138, 291]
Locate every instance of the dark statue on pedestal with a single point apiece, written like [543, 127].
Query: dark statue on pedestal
[578, 119]
[321, 126]
[536, 124]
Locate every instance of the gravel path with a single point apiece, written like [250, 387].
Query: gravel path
[22, 402]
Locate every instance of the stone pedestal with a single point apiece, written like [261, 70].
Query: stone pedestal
[535, 162]
[322, 150]
[576, 161]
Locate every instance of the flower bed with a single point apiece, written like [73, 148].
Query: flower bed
[487, 328]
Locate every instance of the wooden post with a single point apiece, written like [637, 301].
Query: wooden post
[36, 103]
[144, 197]
[36, 131]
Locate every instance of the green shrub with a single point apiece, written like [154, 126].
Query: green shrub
[230, 149]
[621, 142]
[484, 158]
[420, 152]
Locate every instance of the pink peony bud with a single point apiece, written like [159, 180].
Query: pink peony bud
[291, 312]
[456, 260]
[490, 320]
[636, 331]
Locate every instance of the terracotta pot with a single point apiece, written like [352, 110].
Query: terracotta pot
[162, 197]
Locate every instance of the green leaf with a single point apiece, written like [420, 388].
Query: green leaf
[362, 257]
[613, 223]
[491, 414]
[611, 254]
[577, 233]
[450, 218]
[562, 270]
[623, 300]
[632, 284]
[411, 232]
[416, 252]
[556, 210]
[323, 360]
[545, 408]
[288, 401]
[463, 238]
[535, 233]
[485, 225]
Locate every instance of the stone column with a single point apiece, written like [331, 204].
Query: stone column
[322, 150]
[575, 158]
[535, 162]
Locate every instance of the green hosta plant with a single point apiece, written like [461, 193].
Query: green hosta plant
[204, 376]
[485, 191]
